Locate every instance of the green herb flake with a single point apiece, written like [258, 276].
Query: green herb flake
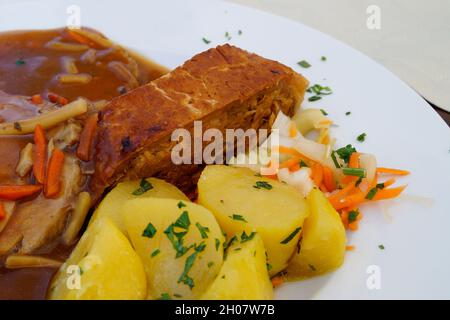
[320, 90]
[348, 113]
[199, 248]
[17, 126]
[165, 296]
[323, 58]
[238, 217]
[176, 238]
[345, 152]
[245, 237]
[20, 62]
[183, 221]
[238, 249]
[227, 35]
[380, 186]
[314, 98]
[291, 236]
[353, 216]
[203, 230]
[217, 244]
[356, 172]
[155, 253]
[323, 112]
[149, 231]
[184, 277]
[304, 64]
[269, 266]
[239, 32]
[372, 193]
[381, 247]
[206, 41]
[181, 204]
[262, 185]
[303, 164]
[144, 186]
[312, 267]
[210, 264]
[361, 137]
[335, 161]
[177, 295]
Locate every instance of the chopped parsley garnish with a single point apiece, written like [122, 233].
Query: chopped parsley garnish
[356, 172]
[380, 186]
[348, 113]
[206, 41]
[201, 247]
[238, 249]
[314, 98]
[372, 193]
[185, 278]
[203, 230]
[149, 231]
[304, 64]
[345, 152]
[269, 266]
[181, 204]
[335, 161]
[239, 32]
[303, 164]
[323, 112]
[320, 90]
[210, 264]
[323, 58]
[176, 238]
[361, 137]
[312, 267]
[230, 243]
[353, 216]
[165, 296]
[144, 186]
[262, 185]
[291, 236]
[227, 35]
[177, 295]
[238, 217]
[217, 244]
[358, 182]
[155, 253]
[183, 221]
[245, 237]
[381, 247]
[20, 62]
[17, 126]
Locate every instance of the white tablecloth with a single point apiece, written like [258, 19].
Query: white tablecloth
[413, 40]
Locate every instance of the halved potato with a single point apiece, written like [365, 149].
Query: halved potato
[179, 242]
[322, 247]
[111, 205]
[244, 201]
[243, 275]
[103, 265]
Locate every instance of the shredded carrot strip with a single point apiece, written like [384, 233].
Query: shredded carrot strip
[341, 193]
[350, 248]
[294, 167]
[354, 160]
[317, 174]
[17, 192]
[289, 163]
[325, 122]
[2, 211]
[87, 138]
[349, 201]
[389, 182]
[53, 181]
[388, 193]
[292, 130]
[37, 99]
[39, 154]
[392, 171]
[328, 179]
[277, 281]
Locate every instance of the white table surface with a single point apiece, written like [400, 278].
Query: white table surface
[413, 40]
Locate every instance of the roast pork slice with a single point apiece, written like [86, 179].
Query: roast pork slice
[225, 87]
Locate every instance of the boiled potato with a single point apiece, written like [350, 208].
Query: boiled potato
[105, 265]
[244, 201]
[179, 242]
[322, 247]
[111, 205]
[243, 275]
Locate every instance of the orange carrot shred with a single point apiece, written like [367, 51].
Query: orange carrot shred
[388, 193]
[39, 154]
[37, 99]
[354, 160]
[328, 179]
[317, 174]
[292, 130]
[350, 248]
[277, 281]
[53, 181]
[2, 211]
[16, 192]
[84, 149]
[392, 171]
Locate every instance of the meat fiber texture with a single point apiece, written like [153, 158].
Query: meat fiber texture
[224, 87]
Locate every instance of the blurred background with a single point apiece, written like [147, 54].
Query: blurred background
[411, 38]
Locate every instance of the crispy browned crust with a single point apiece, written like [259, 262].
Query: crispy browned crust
[226, 87]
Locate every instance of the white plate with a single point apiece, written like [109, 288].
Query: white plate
[402, 129]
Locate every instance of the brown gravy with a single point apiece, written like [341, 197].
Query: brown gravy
[29, 67]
